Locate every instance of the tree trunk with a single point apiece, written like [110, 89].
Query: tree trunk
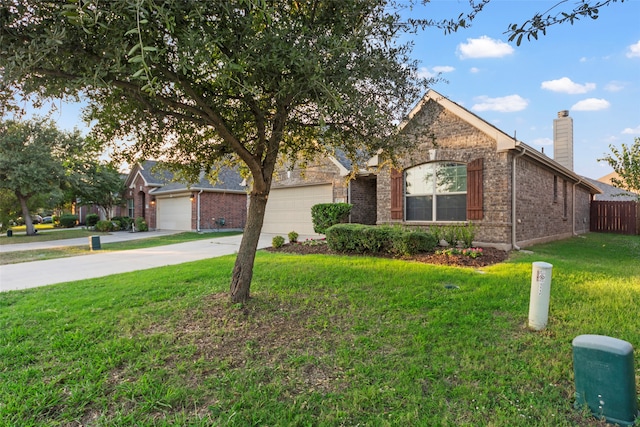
[243, 268]
[26, 215]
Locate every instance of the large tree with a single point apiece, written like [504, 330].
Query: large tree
[198, 82]
[625, 161]
[31, 161]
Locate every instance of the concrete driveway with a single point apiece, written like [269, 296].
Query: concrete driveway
[99, 264]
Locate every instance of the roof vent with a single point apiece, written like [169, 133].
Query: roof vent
[563, 113]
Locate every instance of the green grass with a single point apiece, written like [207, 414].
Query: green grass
[325, 341]
[67, 251]
[46, 235]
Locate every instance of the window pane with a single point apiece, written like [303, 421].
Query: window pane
[419, 180]
[452, 178]
[419, 208]
[451, 207]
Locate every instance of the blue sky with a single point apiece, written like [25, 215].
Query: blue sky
[591, 68]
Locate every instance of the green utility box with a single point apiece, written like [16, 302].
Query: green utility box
[605, 378]
[94, 243]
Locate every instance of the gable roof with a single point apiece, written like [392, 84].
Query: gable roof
[504, 142]
[154, 175]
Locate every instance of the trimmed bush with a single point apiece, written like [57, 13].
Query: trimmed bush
[293, 237]
[324, 215]
[374, 239]
[409, 243]
[277, 241]
[124, 221]
[141, 224]
[104, 226]
[92, 220]
[68, 221]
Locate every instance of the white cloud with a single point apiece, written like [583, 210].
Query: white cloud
[484, 47]
[591, 104]
[614, 86]
[474, 70]
[427, 73]
[632, 131]
[565, 85]
[505, 104]
[634, 50]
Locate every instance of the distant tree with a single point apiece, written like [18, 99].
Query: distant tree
[102, 185]
[626, 163]
[9, 207]
[30, 161]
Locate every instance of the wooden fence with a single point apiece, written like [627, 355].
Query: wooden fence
[615, 217]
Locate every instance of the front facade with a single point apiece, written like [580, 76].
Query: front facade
[167, 205]
[462, 170]
[295, 190]
[465, 170]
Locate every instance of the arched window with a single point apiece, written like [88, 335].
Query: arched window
[436, 192]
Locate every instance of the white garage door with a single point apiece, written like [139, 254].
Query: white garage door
[289, 209]
[174, 213]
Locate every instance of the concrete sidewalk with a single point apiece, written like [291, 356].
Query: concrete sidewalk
[117, 236]
[99, 264]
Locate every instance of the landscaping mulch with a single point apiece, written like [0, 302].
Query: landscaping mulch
[489, 256]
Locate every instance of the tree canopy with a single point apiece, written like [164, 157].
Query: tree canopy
[625, 161]
[31, 161]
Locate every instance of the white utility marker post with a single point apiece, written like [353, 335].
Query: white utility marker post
[540, 293]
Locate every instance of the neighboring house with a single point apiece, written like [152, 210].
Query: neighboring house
[611, 193]
[168, 205]
[515, 195]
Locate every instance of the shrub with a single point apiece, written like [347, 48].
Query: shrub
[293, 237]
[450, 234]
[412, 242]
[125, 221]
[141, 224]
[68, 221]
[324, 215]
[104, 226]
[92, 220]
[277, 241]
[467, 234]
[346, 237]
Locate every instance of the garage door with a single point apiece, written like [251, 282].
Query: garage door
[174, 213]
[289, 209]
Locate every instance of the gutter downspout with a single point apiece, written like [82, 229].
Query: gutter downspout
[198, 212]
[513, 201]
[574, 205]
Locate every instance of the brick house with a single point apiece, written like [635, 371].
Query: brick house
[169, 205]
[515, 195]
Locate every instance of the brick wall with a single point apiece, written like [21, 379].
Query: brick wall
[319, 171]
[214, 206]
[456, 141]
[142, 201]
[363, 198]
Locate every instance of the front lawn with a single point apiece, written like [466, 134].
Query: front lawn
[326, 341]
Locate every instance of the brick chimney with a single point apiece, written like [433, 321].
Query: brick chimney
[563, 139]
